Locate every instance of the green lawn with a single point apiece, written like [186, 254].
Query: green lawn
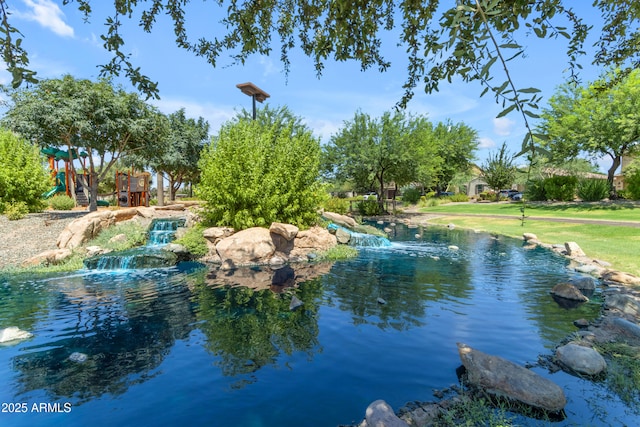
[615, 244]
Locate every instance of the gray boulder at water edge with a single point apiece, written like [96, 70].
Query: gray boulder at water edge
[380, 414]
[502, 378]
[580, 359]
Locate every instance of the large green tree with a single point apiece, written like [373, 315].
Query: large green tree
[22, 175]
[456, 144]
[398, 148]
[371, 152]
[441, 39]
[600, 119]
[498, 170]
[255, 172]
[82, 115]
[179, 160]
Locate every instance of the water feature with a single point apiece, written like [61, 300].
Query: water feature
[168, 346]
[161, 232]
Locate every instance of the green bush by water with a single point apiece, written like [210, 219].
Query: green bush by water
[136, 235]
[194, 241]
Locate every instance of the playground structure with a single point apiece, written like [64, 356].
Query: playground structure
[67, 180]
[133, 188]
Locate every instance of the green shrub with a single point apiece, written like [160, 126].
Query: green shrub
[561, 188]
[15, 210]
[256, 172]
[632, 181]
[194, 241]
[369, 208]
[535, 191]
[22, 176]
[337, 205]
[62, 203]
[338, 252]
[459, 197]
[411, 196]
[593, 190]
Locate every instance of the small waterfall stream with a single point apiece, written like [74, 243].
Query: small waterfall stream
[161, 233]
[361, 239]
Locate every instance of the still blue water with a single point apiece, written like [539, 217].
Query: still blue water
[172, 346]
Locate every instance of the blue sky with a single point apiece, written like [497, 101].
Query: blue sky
[59, 43]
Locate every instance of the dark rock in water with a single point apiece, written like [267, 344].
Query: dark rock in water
[581, 323]
[295, 303]
[132, 259]
[568, 291]
[381, 301]
[502, 378]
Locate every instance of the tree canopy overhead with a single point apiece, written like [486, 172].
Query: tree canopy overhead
[465, 38]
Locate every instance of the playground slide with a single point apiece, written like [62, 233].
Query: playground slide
[57, 189]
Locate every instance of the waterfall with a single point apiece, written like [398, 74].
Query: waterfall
[360, 239]
[161, 232]
[368, 240]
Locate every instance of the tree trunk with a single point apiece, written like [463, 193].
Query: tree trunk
[160, 187]
[172, 192]
[93, 191]
[611, 174]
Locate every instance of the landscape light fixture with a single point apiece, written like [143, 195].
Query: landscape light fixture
[254, 92]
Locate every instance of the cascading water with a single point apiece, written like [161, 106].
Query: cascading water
[368, 240]
[361, 239]
[151, 255]
[163, 231]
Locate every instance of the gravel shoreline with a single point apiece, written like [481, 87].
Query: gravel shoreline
[37, 232]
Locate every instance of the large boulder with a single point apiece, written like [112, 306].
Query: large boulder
[251, 246]
[621, 277]
[50, 257]
[287, 231]
[574, 250]
[580, 359]
[343, 220]
[315, 239]
[502, 378]
[83, 229]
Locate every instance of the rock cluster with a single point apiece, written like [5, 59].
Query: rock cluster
[276, 245]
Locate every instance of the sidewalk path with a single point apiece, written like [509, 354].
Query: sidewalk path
[635, 224]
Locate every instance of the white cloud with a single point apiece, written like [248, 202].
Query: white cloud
[486, 143]
[216, 115]
[503, 126]
[48, 14]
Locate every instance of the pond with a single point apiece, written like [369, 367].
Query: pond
[180, 345]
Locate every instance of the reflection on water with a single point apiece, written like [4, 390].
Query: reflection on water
[210, 344]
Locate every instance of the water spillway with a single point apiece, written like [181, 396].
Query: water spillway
[161, 233]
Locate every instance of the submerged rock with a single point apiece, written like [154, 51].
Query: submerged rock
[502, 378]
[13, 333]
[295, 303]
[78, 357]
